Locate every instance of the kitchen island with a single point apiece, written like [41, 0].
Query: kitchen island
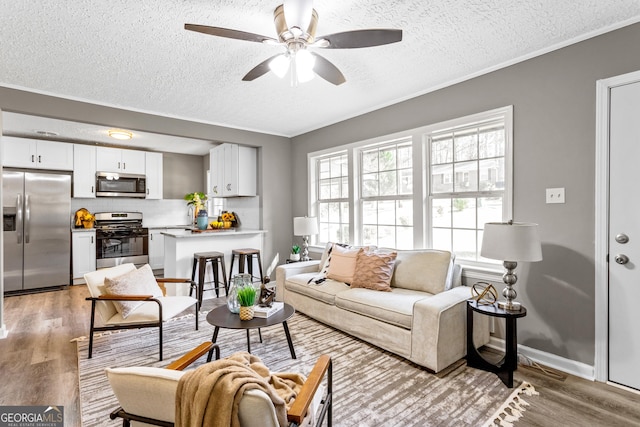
[180, 245]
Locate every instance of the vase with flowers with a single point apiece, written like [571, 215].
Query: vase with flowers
[196, 201]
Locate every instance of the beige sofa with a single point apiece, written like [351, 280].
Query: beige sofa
[422, 319]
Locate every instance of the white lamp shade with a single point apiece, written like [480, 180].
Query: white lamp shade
[517, 241]
[305, 226]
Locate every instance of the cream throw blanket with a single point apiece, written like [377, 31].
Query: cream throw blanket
[210, 395]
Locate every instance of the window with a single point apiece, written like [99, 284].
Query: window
[435, 186]
[468, 178]
[333, 198]
[386, 187]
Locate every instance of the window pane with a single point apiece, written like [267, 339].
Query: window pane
[369, 235]
[404, 238]
[466, 147]
[491, 143]
[334, 212]
[336, 166]
[442, 179]
[323, 212]
[325, 189]
[442, 151]
[489, 210]
[387, 159]
[464, 243]
[336, 187]
[404, 212]
[370, 185]
[464, 213]
[345, 187]
[466, 176]
[344, 234]
[492, 174]
[387, 212]
[387, 182]
[323, 169]
[370, 161]
[441, 238]
[441, 213]
[405, 180]
[370, 212]
[344, 206]
[405, 157]
[386, 236]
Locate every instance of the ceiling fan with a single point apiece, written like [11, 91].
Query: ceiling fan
[296, 22]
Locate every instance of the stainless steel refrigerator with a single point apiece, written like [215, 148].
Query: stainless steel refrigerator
[36, 229]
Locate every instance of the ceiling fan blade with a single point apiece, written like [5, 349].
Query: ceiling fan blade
[259, 70]
[230, 34]
[327, 70]
[359, 38]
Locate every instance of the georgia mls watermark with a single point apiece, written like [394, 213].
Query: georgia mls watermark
[31, 416]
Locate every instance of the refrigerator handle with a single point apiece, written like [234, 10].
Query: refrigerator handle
[27, 217]
[19, 218]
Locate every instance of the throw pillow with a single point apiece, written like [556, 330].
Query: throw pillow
[325, 262]
[374, 270]
[343, 263]
[137, 282]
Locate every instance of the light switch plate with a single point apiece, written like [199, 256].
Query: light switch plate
[555, 195]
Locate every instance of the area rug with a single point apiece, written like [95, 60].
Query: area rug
[372, 387]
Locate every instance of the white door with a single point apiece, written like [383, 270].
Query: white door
[624, 220]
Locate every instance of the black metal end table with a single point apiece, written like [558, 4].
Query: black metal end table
[221, 317]
[509, 363]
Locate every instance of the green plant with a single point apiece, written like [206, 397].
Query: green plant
[295, 249]
[247, 295]
[196, 199]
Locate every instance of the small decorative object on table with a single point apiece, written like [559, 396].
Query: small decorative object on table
[267, 295]
[228, 219]
[196, 200]
[295, 253]
[484, 293]
[202, 219]
[247, 298]
[84, 218]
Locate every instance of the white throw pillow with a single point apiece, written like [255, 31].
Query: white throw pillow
[137, 282]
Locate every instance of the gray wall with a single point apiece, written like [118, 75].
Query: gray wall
[274, 174]
[554, 146]
[182, 174]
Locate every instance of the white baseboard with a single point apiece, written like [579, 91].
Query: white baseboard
[4, 332]
[560, 363]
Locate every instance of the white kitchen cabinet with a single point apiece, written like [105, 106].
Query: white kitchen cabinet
[233, 170]
[36, 154]
[156, 248]
[84, 171]
[119, 160]
[83, 249]
[153, 168]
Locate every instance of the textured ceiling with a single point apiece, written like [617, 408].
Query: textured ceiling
[135, 54]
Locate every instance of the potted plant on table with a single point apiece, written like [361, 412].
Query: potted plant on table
[295, 253]
[197, 202]
[247, 299]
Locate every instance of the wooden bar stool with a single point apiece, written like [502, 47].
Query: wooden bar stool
[245, 256]
[200, 260]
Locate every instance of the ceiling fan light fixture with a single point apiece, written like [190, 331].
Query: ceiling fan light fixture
[297, 14]
[280, 65]
[120, 134]
[304, 66]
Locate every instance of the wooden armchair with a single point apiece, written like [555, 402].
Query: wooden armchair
[151, 314]
[147, 395]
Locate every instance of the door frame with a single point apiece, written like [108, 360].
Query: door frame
[603, 95]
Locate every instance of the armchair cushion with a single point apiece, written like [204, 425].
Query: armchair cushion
[95, 285]
[136, 282]
[147, 312]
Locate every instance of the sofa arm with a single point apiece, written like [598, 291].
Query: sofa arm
[439, 328]
[287, 270]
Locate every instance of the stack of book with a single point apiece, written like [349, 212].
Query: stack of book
[265, 312]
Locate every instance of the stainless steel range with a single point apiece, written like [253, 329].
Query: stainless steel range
[121, 239]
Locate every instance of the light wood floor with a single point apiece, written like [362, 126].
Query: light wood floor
[38, 366]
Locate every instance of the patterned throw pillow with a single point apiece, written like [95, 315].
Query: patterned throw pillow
[374, 270]
[137, 282]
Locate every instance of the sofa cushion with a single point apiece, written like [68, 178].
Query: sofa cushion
[422, 270]
[325, 291]
[374, 270]
[395, 307]
[343, 263]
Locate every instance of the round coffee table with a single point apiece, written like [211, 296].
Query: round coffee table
[221, 317]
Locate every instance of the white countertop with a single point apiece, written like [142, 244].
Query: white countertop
[180, 234]
[82, 230]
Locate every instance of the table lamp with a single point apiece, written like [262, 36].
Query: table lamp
[305, 226]
[511, 242]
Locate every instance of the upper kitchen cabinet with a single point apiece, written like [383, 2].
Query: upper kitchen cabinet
[153, 162]
[84, 171]
[233, 170]
[36, 154]
[120, 160]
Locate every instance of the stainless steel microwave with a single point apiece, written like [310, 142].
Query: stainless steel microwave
[112, 184]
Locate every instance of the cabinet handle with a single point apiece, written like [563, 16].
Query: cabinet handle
[147, 191]
[39, 159]
[33, 158]
[124, 165]
[150, 236]
[228, 187]
[92, 239]
[118, 165]
[92, 189]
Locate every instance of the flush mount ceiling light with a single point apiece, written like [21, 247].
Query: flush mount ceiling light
[120, 134]
[296, 22]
